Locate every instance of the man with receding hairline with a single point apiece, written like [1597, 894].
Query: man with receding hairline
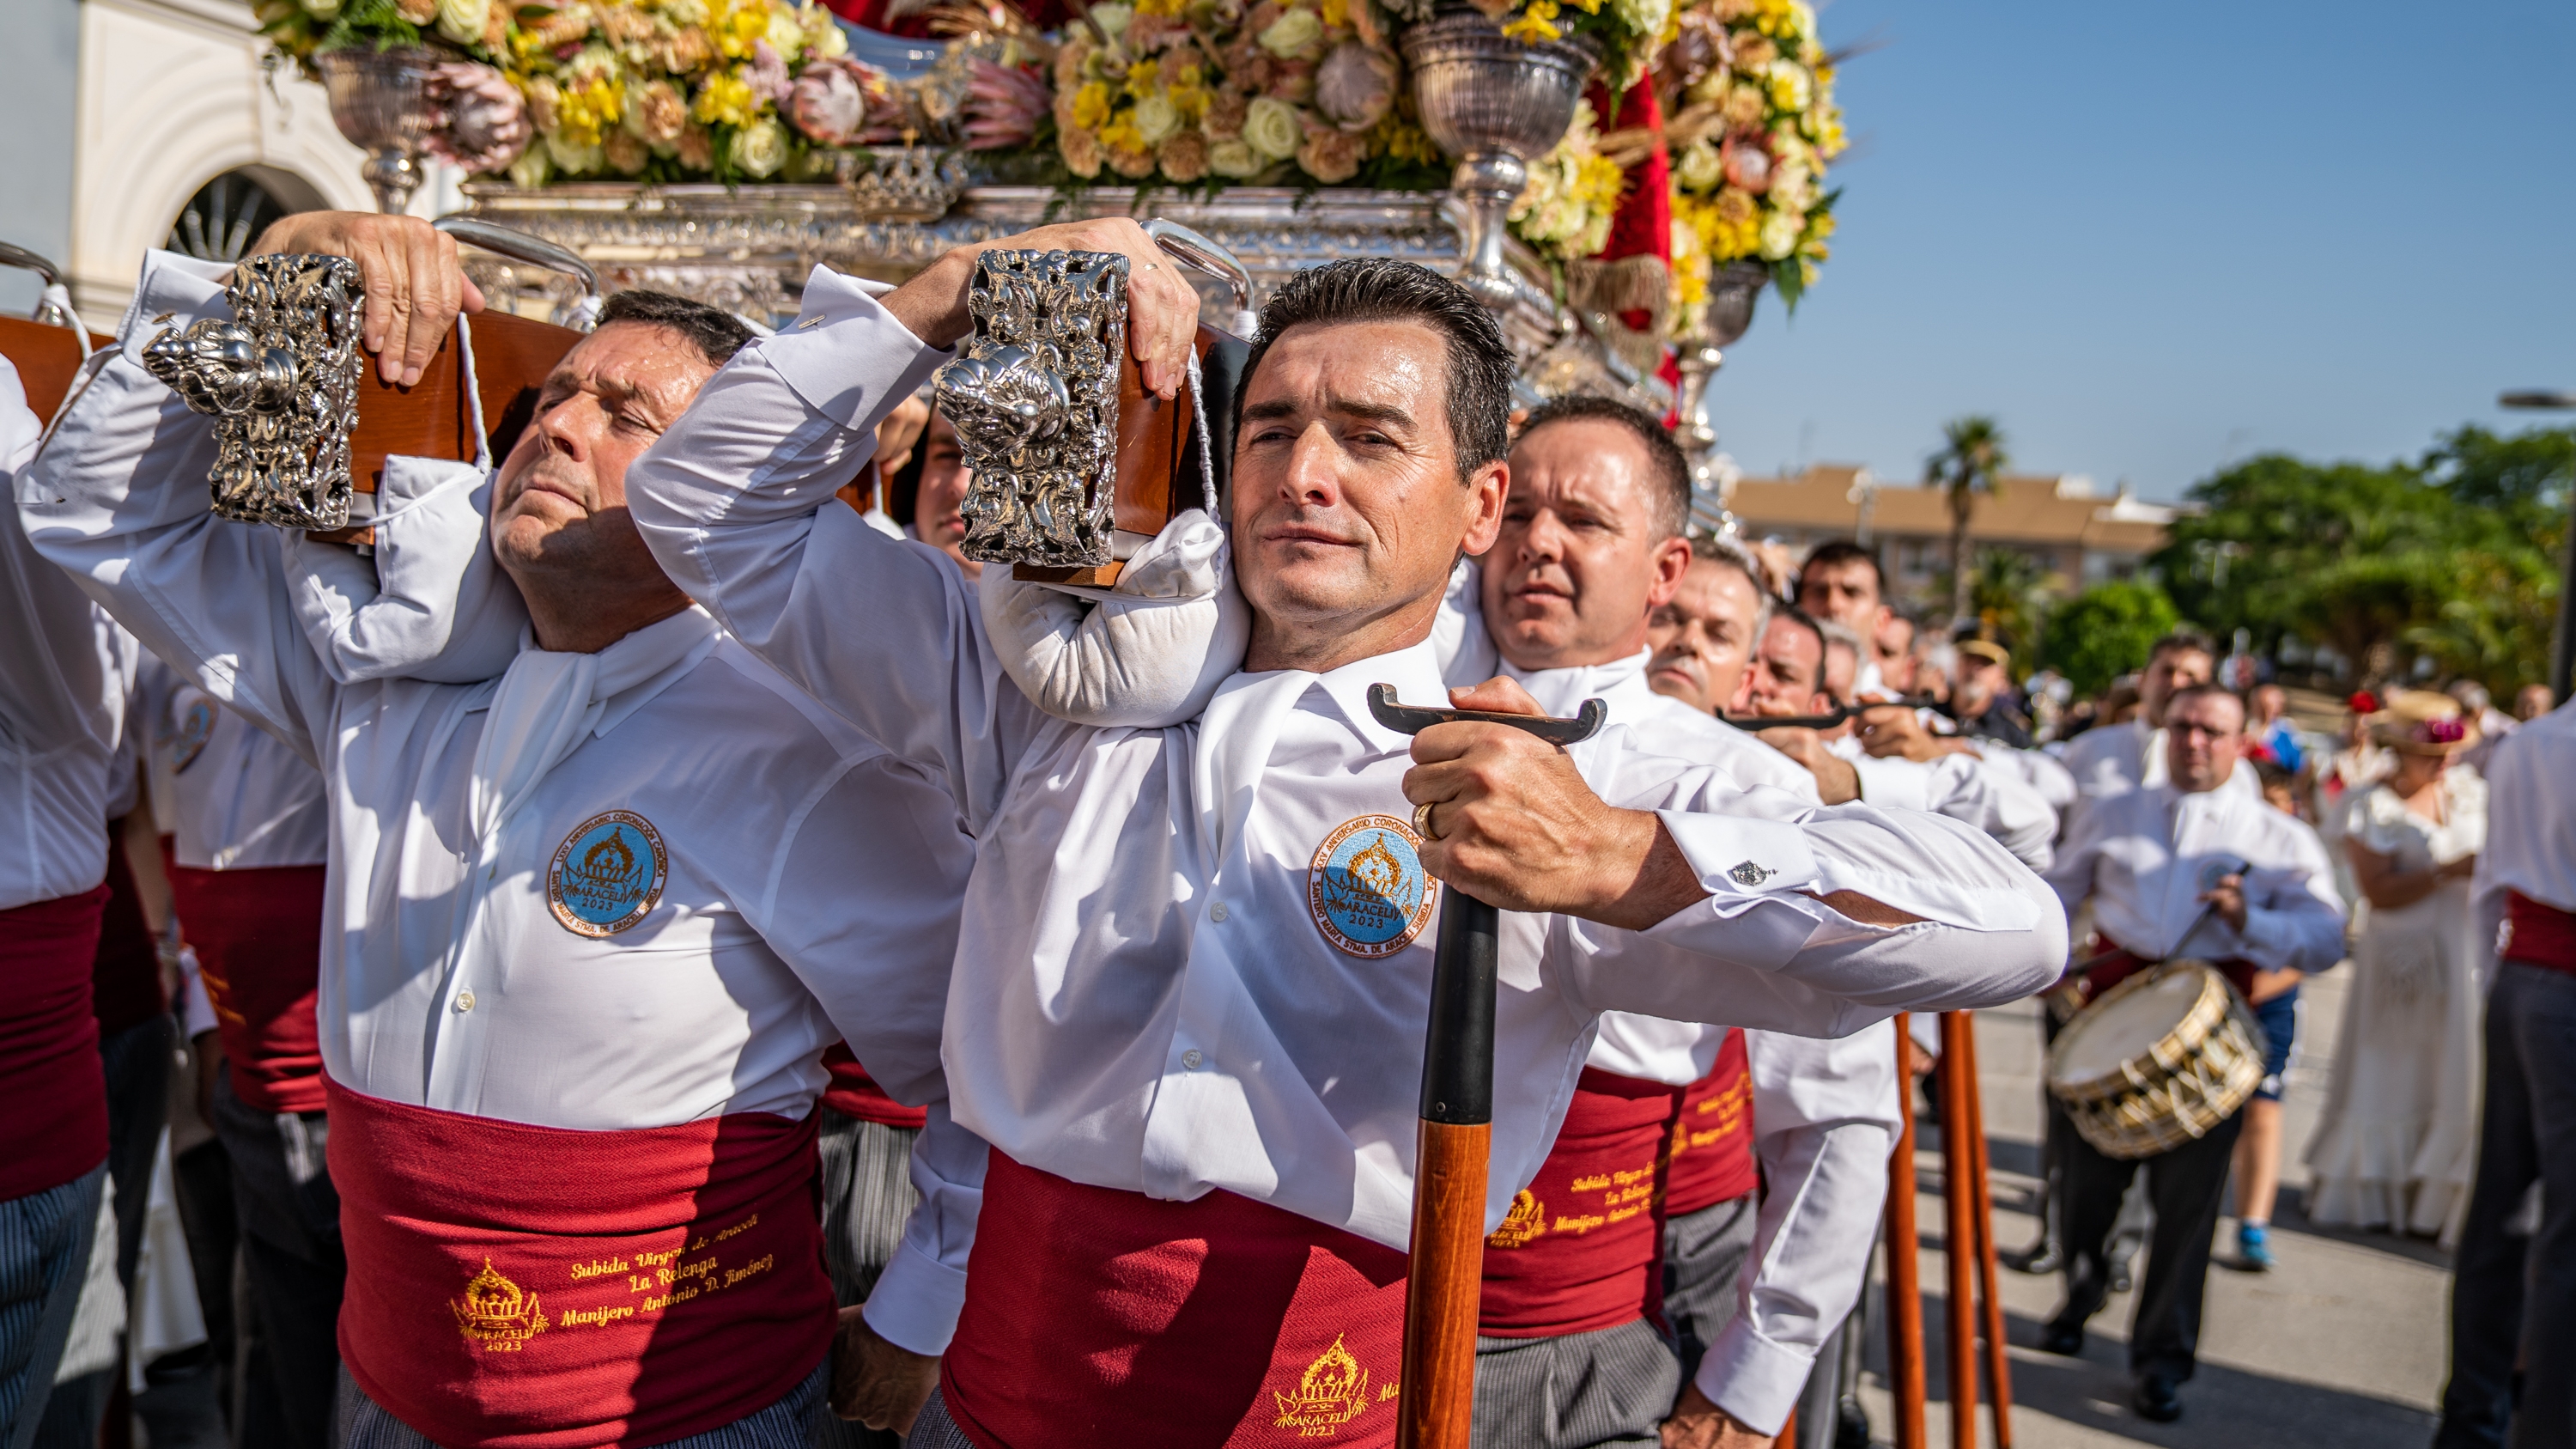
[1189, 993]
[573, 995]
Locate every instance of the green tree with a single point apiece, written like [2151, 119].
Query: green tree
[2106, 631]
[1972, 455]
[2008, 595]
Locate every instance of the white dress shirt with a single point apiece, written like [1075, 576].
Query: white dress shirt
[1967, 788]
[62, 702]
[2531, 822]
[1824, 1121]
[2038, 769]
[2115, 759]
[553, 899]
[2145, 858]
[238, 797]
[1143, 998]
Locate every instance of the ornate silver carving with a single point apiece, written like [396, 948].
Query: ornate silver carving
[280, 378]
[1732, 291]
[1034, 398]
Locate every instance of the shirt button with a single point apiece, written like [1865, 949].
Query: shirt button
[1191, 1059]
[1217, 912]
[465, 1000]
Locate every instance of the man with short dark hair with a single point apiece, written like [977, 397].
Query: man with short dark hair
[1195, 959]
[2190, 866]
[573, 996]
[1841, 582]
[2114, 759]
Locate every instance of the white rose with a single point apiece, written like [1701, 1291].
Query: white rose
[1155, 117]
[786, 35]
[574, 160]
[1699, 168]
[1112, 18]
[1235, 158]
[1793, 188]
[760, 148]
[322, 9]
[1273, 129]
[1780, 231]
[1794, 77]
[1292, 32]
[531, 169]
[685, 12]
[1646, 18]
[826, 39]
[462, 20]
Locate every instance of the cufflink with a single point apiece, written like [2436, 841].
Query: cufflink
[1749, 875]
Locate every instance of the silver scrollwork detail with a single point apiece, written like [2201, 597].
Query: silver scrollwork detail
[1033, 395]
[280, 378]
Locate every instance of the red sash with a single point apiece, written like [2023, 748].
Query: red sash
[125, 976]
[1581, 1248]
[1713, 1136]
[1101, 1319]
[853, 1093]
[54, 1125]
[2542, 936]
[258, 938]
[516, 1287]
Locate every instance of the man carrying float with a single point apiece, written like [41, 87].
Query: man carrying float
[1194, 1046]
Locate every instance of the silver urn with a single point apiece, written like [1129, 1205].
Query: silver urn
[1492, 104]
[1732, 290]
[379, 100]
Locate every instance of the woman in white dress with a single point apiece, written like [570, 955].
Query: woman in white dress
[2399, 1139]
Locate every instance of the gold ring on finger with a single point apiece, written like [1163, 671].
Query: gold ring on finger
[1422, 822]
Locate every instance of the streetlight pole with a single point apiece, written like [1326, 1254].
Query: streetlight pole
[2562, 653]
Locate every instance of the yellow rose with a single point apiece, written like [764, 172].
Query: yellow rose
[1699, 168]
[1091, 106]
[531, 169]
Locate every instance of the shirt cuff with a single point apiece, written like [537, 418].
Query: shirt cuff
[847, 357]
[1752, 1378]
[916, 1302]
[1740, 862]
[1897, 784]
[2270, 938]
[181, 287]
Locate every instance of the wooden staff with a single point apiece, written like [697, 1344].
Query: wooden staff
[1998, 1368]
[1445, 1271]
[1959, 1205]
[1904, 1291]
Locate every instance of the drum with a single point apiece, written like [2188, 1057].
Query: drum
[2161, 1059]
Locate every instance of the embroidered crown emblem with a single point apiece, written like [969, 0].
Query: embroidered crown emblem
[1332, 1392]
[495, 1314]
[1526, 1220]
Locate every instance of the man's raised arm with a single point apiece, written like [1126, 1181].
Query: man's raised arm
[118, 497]
[732, 502]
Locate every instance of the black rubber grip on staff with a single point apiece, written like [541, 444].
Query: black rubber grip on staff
[1824, 721]
[1458, 1044]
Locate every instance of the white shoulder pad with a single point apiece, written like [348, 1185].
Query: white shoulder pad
[1146, 654]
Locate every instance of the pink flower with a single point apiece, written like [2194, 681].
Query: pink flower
[768, 73]
[844, 102]
[1003, 106]
[478, 122]
[1747, 159]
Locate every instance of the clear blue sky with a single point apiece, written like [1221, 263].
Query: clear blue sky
[2153, 238]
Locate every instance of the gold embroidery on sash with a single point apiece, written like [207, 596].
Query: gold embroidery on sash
[1526, 1220]
[495, 1315]
[1332, 1392]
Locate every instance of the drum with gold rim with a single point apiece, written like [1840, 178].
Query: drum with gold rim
[2161, 1059]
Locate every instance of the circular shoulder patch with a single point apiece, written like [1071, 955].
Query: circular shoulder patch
[608, 874]
[1367, 889]
[196, 726]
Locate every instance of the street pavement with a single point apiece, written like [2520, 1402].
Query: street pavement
[2342, 1346]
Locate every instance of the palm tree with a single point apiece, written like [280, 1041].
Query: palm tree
[1971, 457]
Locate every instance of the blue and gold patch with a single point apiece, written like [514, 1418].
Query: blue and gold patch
[1367, 889]
[608, 874]
[196, 726]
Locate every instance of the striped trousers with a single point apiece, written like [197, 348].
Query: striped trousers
[45, 1242]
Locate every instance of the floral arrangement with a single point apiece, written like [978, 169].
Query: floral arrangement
[1753, 122]
[1207, 92]
[1573, 194]
[1625, 34]
[302, 29]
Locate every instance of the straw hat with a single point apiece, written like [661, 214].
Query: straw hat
[2422, 722]
[1987, 650]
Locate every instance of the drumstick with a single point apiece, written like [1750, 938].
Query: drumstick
[1998, 1368]
[1958, 1201]
[1904, 1291]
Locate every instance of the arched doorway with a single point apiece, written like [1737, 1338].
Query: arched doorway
[228, 213]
